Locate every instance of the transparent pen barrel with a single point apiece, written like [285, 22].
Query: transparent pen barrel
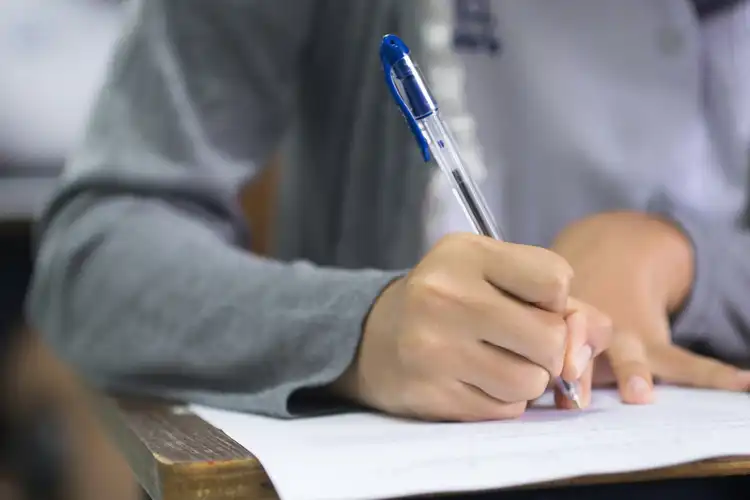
[444, 149]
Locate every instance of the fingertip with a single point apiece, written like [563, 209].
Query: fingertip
[638, 390]
[576, 363]
[579, 353]
[631, 367]
[681, 367]
[585, 386]
[744, 380]
[733, 380]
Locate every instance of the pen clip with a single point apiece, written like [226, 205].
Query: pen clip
[393, 51]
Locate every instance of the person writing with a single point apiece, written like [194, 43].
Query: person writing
[374, 295]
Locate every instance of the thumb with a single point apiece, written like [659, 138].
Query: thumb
[597, 327]
[679, 366]
[629, 362]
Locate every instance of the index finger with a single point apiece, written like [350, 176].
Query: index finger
[531, 274]
[589, 334]
[630, 365]
[676, 365]
[599, 329]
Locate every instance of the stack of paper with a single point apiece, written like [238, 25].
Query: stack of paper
[369, 456]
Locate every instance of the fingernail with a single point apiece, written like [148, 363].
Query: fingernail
[638, 387]
[744, 377]
[581, 404]
[582, 360]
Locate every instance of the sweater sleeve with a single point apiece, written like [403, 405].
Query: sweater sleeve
[716, 316]
[140, 279]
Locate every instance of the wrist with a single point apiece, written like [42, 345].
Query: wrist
[351, 385]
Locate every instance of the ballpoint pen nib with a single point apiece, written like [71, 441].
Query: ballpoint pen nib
[569, 390]
[575, 399]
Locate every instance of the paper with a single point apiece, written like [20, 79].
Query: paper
[369, 456]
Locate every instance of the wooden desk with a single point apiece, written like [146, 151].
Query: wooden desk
[178, 456]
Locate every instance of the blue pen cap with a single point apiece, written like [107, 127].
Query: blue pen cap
[395, 54]
[408, 87]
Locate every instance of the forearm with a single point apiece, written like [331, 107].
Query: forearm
[138, 293]
[138, 280]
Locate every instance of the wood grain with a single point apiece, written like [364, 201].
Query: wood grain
[178, 456]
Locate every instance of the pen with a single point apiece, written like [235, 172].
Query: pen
[434, 138]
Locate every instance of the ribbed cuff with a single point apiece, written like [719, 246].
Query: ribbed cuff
[347, 319]
[690, 324]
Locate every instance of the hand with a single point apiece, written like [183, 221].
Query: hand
[457, 338]
[639, 270]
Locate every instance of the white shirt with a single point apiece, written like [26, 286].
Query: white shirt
[595, 105]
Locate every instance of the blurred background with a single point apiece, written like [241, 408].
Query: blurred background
[53, 55]
[53, 58]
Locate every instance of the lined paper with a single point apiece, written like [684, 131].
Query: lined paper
[370, 456]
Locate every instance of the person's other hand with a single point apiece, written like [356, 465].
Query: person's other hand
[638, 270]
[458, 338]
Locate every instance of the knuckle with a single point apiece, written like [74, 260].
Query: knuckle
[602, 320]
[537, 382]
[459, 239]
[604, 332]
[559, 264]
[559, 273]
[460, 244]
[530, 382]
[432, 288]
[422, 343]
[557, 285]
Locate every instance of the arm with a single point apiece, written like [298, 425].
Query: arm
[715, 316]
[140, 281]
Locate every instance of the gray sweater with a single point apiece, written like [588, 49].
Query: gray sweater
[142, 280]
